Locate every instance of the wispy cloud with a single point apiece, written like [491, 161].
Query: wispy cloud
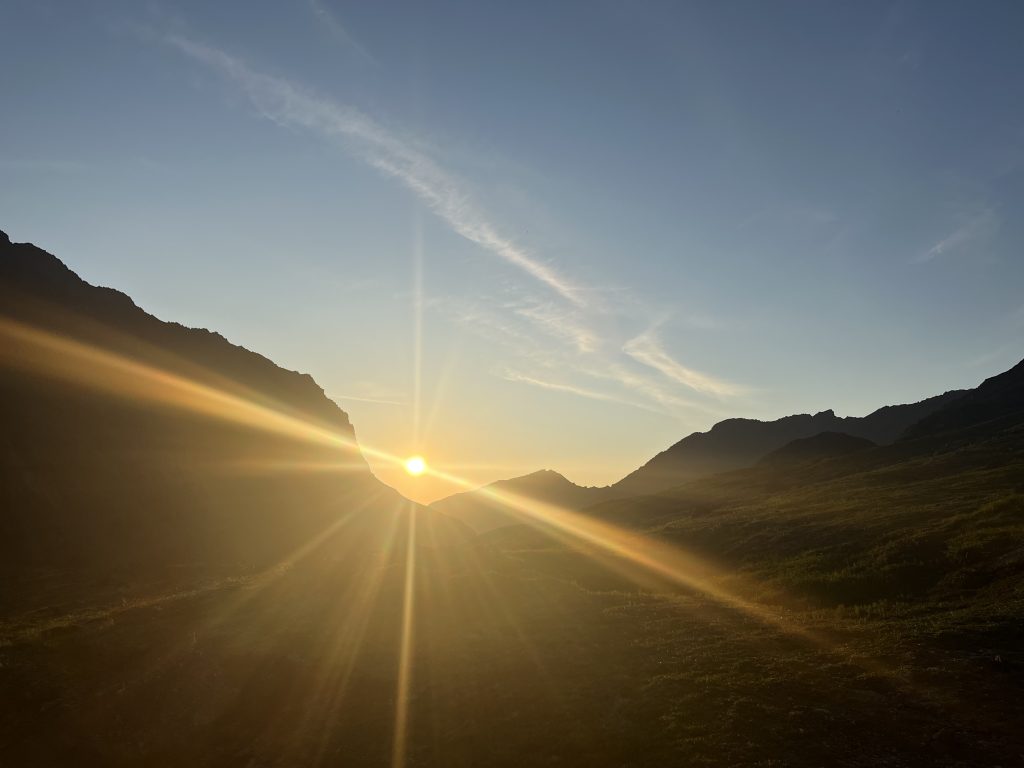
[339, 31]
[647, 349]
[974, 231]
[486, 322]
[510, 375]
[643, 386]
[550, 342]
[290, 105]
[561, 324]
[617, 376]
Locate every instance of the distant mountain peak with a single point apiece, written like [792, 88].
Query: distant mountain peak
[483, 511]
[546, 475]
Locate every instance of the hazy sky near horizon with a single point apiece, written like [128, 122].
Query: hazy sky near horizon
[524, 235]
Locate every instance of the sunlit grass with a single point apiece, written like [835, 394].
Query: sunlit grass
[425, 597]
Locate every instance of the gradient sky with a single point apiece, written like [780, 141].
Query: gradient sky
[613, 223]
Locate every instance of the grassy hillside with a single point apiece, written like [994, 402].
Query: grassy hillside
[482, 509]
[737, 443]
[729, 445]
[883, 621]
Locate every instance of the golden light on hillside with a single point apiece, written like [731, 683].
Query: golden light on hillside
[415, 465]
[643, 558]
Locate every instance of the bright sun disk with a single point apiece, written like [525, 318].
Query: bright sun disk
[415, 465]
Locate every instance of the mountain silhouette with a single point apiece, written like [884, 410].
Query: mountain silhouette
[134, 443]
[738, 443]
[729, 445]
[824, 445]
[483, 511]
[997, 399]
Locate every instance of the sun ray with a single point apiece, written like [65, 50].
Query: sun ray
[402, 689]
[101, 370]
[643, 556]
[417, 309]
[440, 390]
[106, 371]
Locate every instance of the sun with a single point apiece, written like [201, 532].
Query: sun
[415, 465]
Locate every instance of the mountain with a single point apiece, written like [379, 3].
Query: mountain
[482, 509]
[998, 398]
[136, 445]
[736, 443]
[824, 445]
[728, 445]
[913, 550]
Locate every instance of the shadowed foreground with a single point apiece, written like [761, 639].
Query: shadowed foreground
[524, 650]
[508, 665]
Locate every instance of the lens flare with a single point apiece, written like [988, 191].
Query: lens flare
[628, 551]
[415, 465]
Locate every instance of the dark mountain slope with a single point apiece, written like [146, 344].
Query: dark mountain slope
[139, 446]
[930, 518]
[736, 443]
[482, 511]
[997, 398]
[912, 551]
[728, 445]
[826, 445]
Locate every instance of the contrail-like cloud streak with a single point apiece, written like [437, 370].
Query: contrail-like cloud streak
[974, 230]
[570, 389]
[647, 349]
[339, 31]
[290, 105]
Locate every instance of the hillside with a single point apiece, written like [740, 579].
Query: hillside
[825, 445]
[997, 398]
[736, 443]
[728, 445]
[860, 609]
[134, 444]
[483, 510]
[908, 557]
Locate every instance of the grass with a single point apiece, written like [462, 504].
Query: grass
[902, 568]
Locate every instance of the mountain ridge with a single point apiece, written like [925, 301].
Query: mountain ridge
[37, 283]
[484, 511]
[135, 443]
[738, 442]
[996, 397]
[824, 445]
[728, 445]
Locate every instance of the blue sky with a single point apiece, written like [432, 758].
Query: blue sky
[611, 223]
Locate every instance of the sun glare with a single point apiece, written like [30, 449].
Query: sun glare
[415, 465]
